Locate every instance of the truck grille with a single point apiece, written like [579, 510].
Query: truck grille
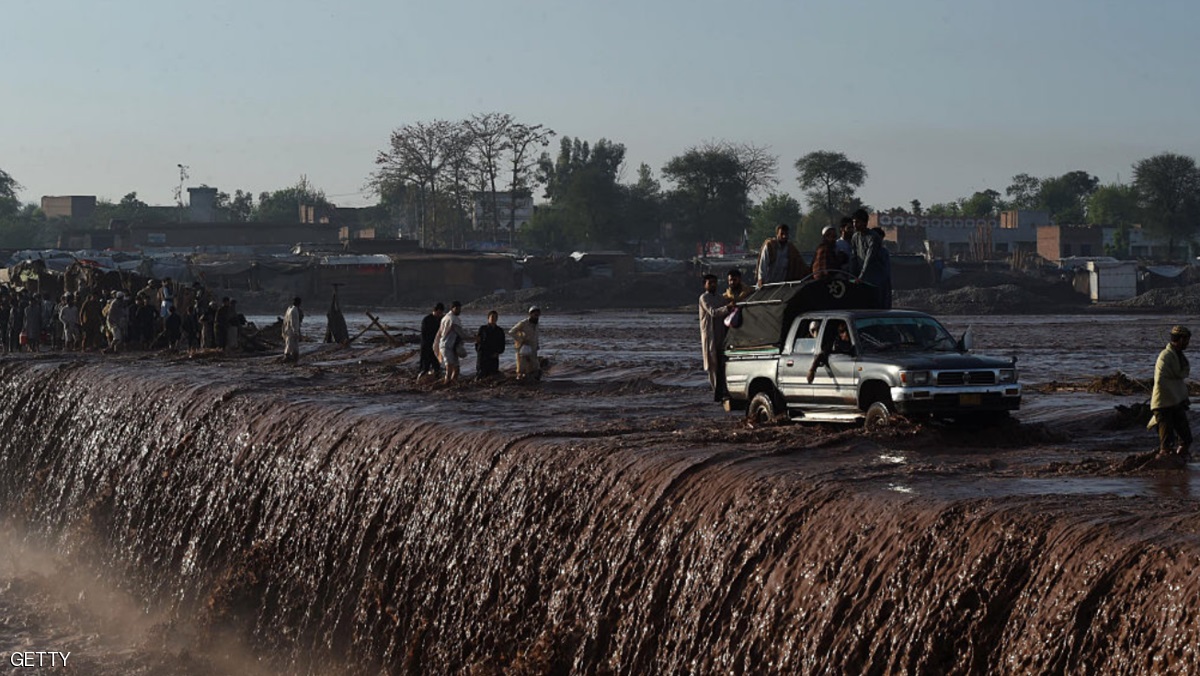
[951, 378]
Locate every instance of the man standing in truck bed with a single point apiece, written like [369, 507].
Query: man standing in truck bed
[780, 260]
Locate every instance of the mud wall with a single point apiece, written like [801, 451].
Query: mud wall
[323, 527]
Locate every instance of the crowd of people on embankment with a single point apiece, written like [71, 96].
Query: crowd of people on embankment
[160, 315]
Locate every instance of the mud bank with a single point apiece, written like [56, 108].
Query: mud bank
[335, 532]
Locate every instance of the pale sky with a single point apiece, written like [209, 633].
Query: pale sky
[938, 98]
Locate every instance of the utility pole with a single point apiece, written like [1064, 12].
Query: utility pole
[183, 176]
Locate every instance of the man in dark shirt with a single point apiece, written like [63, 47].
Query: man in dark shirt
[489, 346]
[221, 323]
[429, 330]
[173, 327]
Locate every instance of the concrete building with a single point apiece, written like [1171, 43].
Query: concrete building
[1055, 242]
[78, 209]
[960, 236]
[202, 205]
[482, 219]
[184, 235]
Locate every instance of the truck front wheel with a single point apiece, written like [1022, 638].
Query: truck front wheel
[879, 416]
[761, 410]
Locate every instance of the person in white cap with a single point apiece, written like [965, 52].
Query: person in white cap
[525, 338]
[1169, 399]
[825, 260]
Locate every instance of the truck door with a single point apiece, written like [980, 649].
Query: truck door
[795, 361]
[835, 382]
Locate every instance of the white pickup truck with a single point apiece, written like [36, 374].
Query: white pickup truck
[853, 365]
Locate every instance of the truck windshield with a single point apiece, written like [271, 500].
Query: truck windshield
[877, 334]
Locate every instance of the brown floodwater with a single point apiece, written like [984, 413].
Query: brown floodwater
[222, 515]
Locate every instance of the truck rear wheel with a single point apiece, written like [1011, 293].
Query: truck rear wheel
[761, 410]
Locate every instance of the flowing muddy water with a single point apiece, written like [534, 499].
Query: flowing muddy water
[338, 517]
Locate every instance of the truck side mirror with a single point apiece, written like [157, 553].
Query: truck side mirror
[967, 342]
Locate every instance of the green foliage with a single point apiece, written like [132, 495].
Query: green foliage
[643, 206]
[548, 231]
[710, 201]
[239, 208]
[944, 209]
[1066, 196]
[26, 228]
[130, 209]
[1113, 205]
[1023, 193]
[829, 180]
[587, 201]
[1168, 191]
[779, 208]
[982, 204]
[9, 204]
[283, 206]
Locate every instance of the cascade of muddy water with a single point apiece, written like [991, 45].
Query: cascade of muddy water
[333, 534]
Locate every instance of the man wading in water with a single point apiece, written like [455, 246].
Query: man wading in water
[1169, 401]
[291, 331]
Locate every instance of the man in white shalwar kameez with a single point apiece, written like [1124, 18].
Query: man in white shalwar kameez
[291, 331]
[449, 342]
[525, 338]
[713, 311]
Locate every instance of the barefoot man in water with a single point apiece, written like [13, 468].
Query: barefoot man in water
[1169, 401]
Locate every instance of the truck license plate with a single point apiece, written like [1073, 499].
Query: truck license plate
[970, 399]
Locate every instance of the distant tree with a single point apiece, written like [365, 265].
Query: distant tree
[241, 206]
[982, 204]
[283, 206]
[9, 204]
[916, 207]
[644, 206]
[548, 231]
[944, 209]
[582, 185]
[1168, 191]
[26, 228]
[1113, 204]
[710, 199]
[238, 208]
[757, 167]
[129, 209]
[829, 179]
[489, 141]
[1066, 196]
[523, 141]
[417, 154]
[1023, 192]
[778, 208]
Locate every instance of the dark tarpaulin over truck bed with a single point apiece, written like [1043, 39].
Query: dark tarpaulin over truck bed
[768, 313]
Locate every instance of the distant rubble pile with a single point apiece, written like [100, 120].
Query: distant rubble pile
[971, 300]
[989, 292]
[1182, 299]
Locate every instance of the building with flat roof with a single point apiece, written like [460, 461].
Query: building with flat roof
[78, 209]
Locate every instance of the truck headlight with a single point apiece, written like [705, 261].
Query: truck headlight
[914, 378]
[1008, 375]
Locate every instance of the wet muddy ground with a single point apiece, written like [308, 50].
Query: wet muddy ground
[632, 380]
